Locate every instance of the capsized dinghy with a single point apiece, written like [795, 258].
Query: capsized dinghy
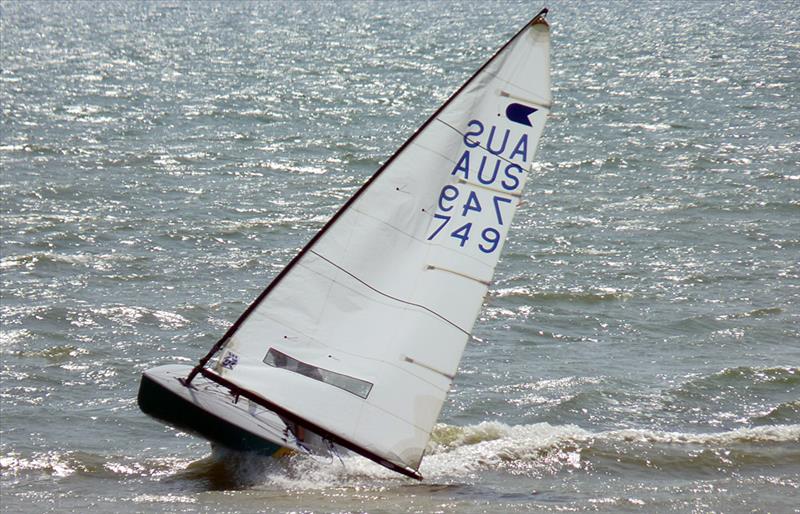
[356, 342]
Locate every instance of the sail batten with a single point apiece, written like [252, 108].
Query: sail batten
[373, 314]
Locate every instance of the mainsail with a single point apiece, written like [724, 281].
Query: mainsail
[360, 336]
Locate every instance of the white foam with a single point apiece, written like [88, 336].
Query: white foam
[765, 434]
[458, 452]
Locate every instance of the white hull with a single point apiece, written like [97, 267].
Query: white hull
[212, 411]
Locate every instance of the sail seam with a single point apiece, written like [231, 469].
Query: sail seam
[388, 295]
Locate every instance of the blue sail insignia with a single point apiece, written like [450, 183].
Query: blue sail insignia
[519, 113]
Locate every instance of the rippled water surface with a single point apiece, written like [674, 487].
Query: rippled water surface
[162, 161]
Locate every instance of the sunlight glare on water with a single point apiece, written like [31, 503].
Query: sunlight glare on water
[639, 348]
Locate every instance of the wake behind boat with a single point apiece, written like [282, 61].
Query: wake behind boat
[356, 342]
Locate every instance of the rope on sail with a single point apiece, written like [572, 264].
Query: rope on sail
[390, 296]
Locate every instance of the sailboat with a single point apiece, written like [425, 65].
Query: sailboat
[356, 342]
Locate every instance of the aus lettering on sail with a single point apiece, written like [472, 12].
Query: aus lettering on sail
[475, 208]
[500, 159]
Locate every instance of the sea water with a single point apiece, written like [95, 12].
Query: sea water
[640, 346]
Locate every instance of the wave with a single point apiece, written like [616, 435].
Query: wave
[781, 413]
[756, 313]
[595, 295]
[58, 353]
[100, 262]
[457, 453]
[33, 148]
[291, 168]
[741, 376]
[540, 449]
[766, 434]
[454, 454]
[124, 315]
[534, 437]
[67, 463]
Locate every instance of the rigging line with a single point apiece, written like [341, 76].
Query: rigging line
[388, 295]
[483, 147]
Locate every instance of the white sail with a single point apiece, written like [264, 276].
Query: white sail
[362, 334]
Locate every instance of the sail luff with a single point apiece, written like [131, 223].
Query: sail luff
[539, 18]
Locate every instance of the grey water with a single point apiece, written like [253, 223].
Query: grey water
[161, 161]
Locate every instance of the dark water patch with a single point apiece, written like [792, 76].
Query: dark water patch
[689, 459]
[736, 396]
[604, 407]
[784, 413]
[54, 354]
[695, 327]
[549, 332]
[226, 470]
[743, 377]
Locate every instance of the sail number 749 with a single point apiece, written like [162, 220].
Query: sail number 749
[463, 217]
